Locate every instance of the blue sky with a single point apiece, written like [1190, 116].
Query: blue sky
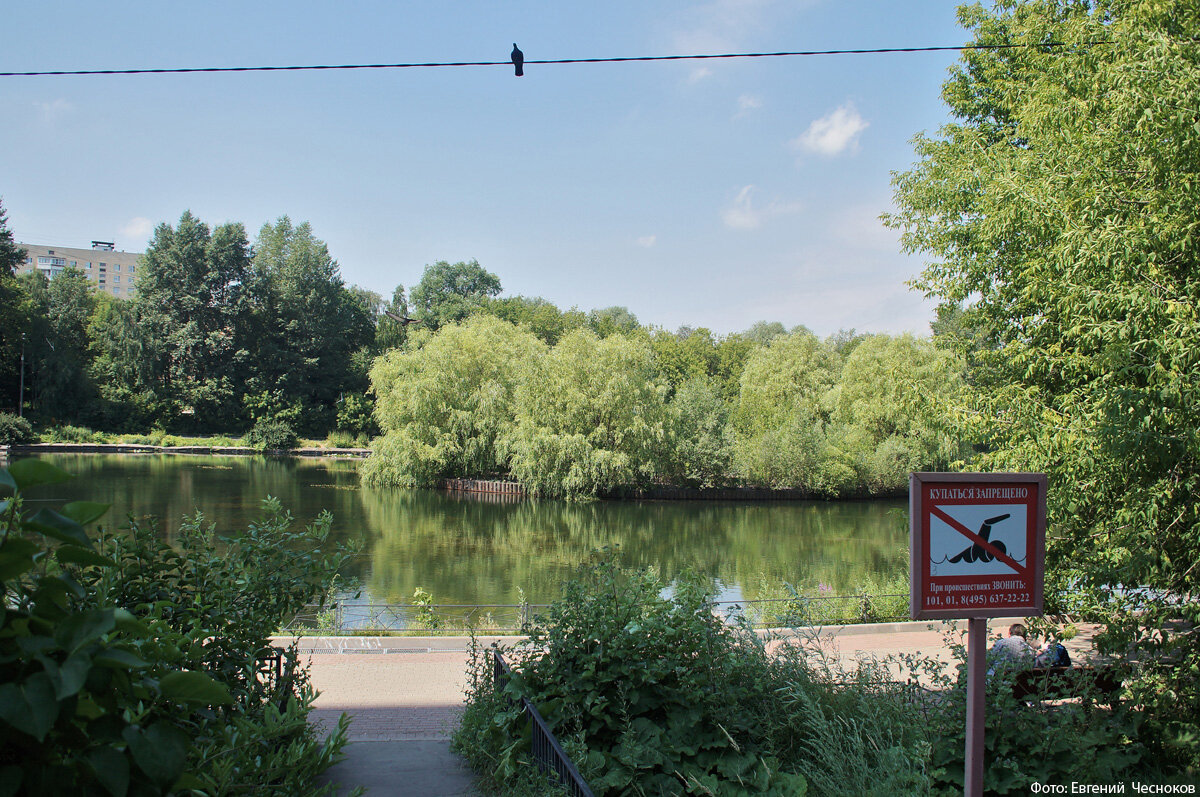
[702, 193]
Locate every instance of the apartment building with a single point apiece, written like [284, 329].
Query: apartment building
[110, 271]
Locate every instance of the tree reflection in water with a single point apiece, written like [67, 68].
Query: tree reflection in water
[466, 551]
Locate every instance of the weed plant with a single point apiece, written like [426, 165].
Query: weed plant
[659, 696]
[128, 667]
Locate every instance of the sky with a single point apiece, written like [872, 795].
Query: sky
[700, 193]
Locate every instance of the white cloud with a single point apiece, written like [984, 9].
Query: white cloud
[647, 241]
[698, 74]
[747, 103]
[54, 110]
[833, 133]
[743, 215]
[138, 229]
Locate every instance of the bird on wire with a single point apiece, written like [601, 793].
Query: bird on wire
[518, 59]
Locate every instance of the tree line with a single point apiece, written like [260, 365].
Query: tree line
[221, 334]
[573, 405]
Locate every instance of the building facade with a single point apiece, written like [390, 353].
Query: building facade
[109, 271]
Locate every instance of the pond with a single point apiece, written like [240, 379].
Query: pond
[464, 549]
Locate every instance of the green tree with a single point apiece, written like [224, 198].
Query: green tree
[309, 324]
[684, 355]
[700, 450]
[451, 292]
[14, 319]
[895, 399]
[778, 421]
[1060, 209]
[763, 332]
[590, 418]
[66, 392]
[539, 316]
[444, 404]
[612, 321]
[391, 331]
[121, 366]
[193, 298]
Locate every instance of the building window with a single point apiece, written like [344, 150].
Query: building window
[102, 265]
[131, 269]
[117, 278]
[118, 266]
[49, 251]
[74, 264]
[52, 261]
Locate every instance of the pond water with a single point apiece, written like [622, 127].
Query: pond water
[465, 549]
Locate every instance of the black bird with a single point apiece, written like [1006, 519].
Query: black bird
[518, 59]
[401, 319]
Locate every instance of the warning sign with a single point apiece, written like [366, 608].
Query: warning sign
[977, 544]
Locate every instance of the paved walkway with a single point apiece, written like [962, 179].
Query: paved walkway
[405, 695]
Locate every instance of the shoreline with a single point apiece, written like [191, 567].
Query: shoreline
[142, 448]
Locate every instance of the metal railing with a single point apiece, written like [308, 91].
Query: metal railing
[343, 616]
[546, 751]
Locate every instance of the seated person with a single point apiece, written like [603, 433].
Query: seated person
[1055, 655]
[1011, 651]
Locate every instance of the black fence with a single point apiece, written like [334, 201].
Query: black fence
[547, 752]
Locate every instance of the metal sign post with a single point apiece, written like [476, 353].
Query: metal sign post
[977, 550]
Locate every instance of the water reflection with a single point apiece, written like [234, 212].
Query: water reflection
[470, 551]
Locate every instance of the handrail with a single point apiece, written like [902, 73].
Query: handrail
[547, 752]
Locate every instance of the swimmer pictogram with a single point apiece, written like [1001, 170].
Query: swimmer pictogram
[978, 552]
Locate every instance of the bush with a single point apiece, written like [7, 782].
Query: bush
[652, 695]
[74, 434]
[272, 436]
[15, 430]
[115, 677]
[1033, 742]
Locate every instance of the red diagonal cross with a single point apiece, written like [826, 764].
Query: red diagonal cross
[975, 538]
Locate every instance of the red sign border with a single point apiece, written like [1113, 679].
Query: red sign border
[918, 543]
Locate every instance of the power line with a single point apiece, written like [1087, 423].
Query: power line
[429, 64]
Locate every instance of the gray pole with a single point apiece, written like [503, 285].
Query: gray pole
[21, 392]
[976, 677]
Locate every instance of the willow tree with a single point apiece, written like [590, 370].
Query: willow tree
[444, 401]
[590, 418]
[1060, 210]
[778, 420]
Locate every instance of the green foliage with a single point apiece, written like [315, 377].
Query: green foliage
[269, 435]
[273, 406]
[425, 616]
[14, 314]
[127, 667]
[700, 447]
[778, 421]
[194, 303]
[307, 323]
[74, 434]
[590, 418]
[537, 315]
[15, 430]
[1082, 739]
[651, 695]
[444, 405]
[450, 293]
[612, 321]
[1060, 210]
[356, 415]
